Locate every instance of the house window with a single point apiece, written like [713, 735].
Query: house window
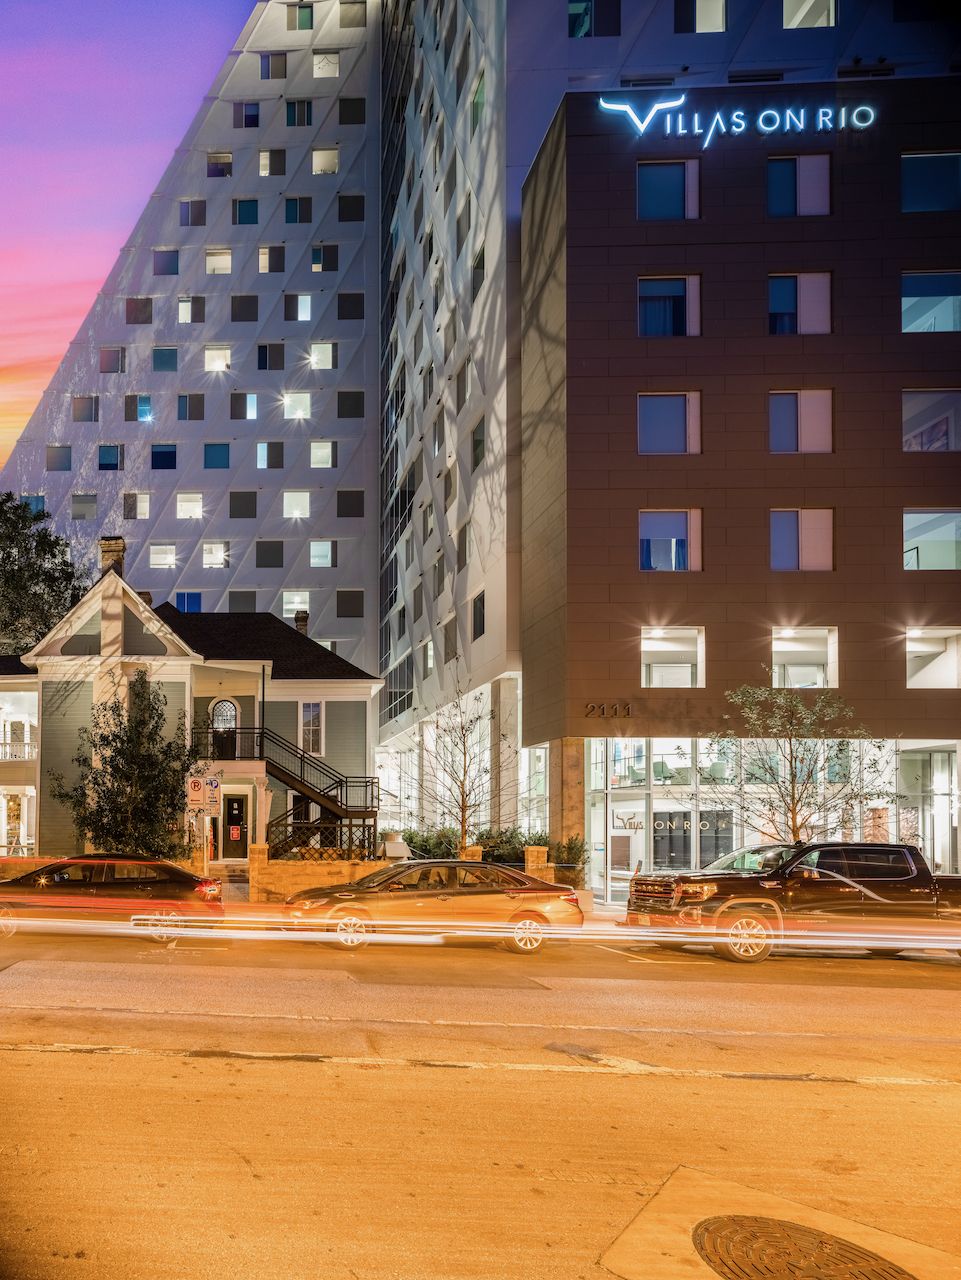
[300, 113]
[220, 164]
[83, 506]
[478, 444]
[669, 423]
[193, 213]
[269, 554]
[273, 163]
[85, 408]
[800, 304]
[667, 190]
[800, 421]
[932, 540]
[325, 160]
[808, 13]
[113, 359]
[218, 262]
[244, 308]
[477, 610]
[670, 540]
[350, 306]
[270, 455]
[323, 355]
[140, 311]
[323, 553]
[300, 17]
[668, 306]
[798, 186]
[270, 258]
[298, 209]
[350, 404]
[350, 604]
[350, 503]
[59, 457]
[326, 66]
[297, 504]
[273, 66]
[165, 359]
[110, 457]
[216, 555]
[672, 658]
[323, 453]
[216, 457]
[931, 183]
[698, 16]
[190, 506]
[136, 506]
[312, 721]
[241, 601]
[163, 457]
[933, 658]
[163, 555]
[190, 407]
[802, 539]
[586, 18]
[245, 213]
[931, 421]
[166, 262]
[804, 658]
[138, 408]
[246, 115]
[191, 310]
[296, 404]
[324, 257]
[216, 359]
[931, 302]
[352, 110]
[243, 504]
[188, 602]
[270, 355]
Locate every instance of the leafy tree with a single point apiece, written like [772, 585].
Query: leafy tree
[130, 795]
[795, 766]
[38, 584]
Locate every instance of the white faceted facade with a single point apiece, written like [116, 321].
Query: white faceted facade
[216, 407]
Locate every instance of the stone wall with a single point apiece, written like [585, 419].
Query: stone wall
[274, 881]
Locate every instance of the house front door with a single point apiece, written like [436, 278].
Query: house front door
[234, 827]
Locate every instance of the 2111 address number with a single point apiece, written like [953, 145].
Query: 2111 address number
[608, 710]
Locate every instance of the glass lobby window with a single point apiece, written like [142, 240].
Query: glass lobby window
[669, 540]
[671, 761]
[598, 764]
[800, 421]
[808, 13]
[804, 658]
[931, 421]
[932, 539]
[669, 423]
[698, 16]
[933, 657]
[802, 539]
[931, 183]
[717, 761]
[627, 762]
[667, 189]
[931, 302]
[667, 307]
[672, 657]
[798, 186]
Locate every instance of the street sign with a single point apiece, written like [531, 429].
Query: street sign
[196, 794]
[203, 795]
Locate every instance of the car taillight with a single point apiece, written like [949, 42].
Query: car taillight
[209, 888]
[570, 897]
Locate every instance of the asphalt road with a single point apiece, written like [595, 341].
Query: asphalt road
[268, 1109]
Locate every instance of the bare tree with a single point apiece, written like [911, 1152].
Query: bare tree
[795, 766]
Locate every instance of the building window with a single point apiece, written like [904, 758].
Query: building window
[163, 555]
[166, 262]
[427, 521]
[353, 13]
[350, 503]
[587, 18]
[296, 404]
[808, 13]
[243, 504]
[216, 359]
[802, 539]
[450, 485]
[477, 611]
[273, 66]
[931, 183]
[165, 359]
[246, 115]
[477, 274]
[244, 308]
[932, 539]
[298, 209]
[933, 658]
[672, 658]
[300, 17]
[193, 213]
[350, 306]
[323, 553]
[270, 455]
[350, 404]
[800, 304]
[34, 502]
[931, 421]
[669, 423]
[462, 227]
[450, 640]
[327, 65]
[190, 407]
[800, 421]
[300, 113]
[465, 546]
[110, 457]
[350, 604]
[270, 258]
[427, 660]
[59, 457]
[241, 601]
[297, 504]
[440, 577]
[463, 69]
[163, 457]
[297, 306]
[136, 506]
[931, 302]
[324, 257]
[273, 163]
[83, 506]
[668, 306]
[188, 602]
[351, 110]
[670, 541]
[477, 104]
[804, 658]
[243, 406]
[667, 189]
[113, 359]
[323, 355]
[269, 554]
[190, 506]
[323, 453]
[798, 186]
[191, 310]
[220, 164]
[139, 311]
[216, 457]
[350, 208]
[218, 262]
[85, 408]
[698, 16]
[216, 555]
[478, 444]
[325, 160]
[245, 214]
[138, 408]
[462, 386]
[270, 355]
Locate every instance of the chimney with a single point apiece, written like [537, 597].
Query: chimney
[112, 552]
[146, 597]
[301, 619]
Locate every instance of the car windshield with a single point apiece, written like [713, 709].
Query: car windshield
[765, 857]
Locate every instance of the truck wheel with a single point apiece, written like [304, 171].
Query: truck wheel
[748, 937]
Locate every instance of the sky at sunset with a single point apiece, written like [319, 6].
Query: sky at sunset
[94, 97]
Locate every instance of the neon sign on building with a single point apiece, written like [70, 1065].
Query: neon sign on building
[668, 119]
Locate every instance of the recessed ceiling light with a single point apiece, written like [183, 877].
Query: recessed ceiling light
[657, 632]
[913, 633]
[786, 633]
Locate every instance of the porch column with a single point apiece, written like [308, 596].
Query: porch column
[263, 811]
[565, 791]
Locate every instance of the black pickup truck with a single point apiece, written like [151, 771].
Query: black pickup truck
[877, 897]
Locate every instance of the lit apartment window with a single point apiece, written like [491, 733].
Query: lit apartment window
[300, 17]
[800, 421]
[270, 455]
[296, 306]
[136, 506]
[163, 555]
[188, 602]
[323, 553]
[243, 405]
[668, 306]
[931, 421]
[300, 113]
[165, 359]
[477, 104]
[191, 310]
[270, 258]
[932, 540]
[166, 262]
[324, 257]
[669, 423]
[350, 503]
[933, 657]
[110, 457]
[808, 13]
[85, 408]
[216, 555]
[218, 262]
[427, 661]
[246, 115]
[245, 214]
[931, 183]
[478, 444]
[798, 186]
[83, 506]
[216, 359]
[190, 407]
[669, 541]
[800, 304]
[220, 164]
[326, 65]
[698, 16]
[59, 457]
[269, 554]
[216, 456]
[931, 302]
[139, 310]
[193, 213]
[297, 404]
[297, 504]
[298, 209]
[113, 359]
[273, 66]
[804, 658]
[802, 539]
[323, 355]
[325, 160]
[672, 657]
[350, 604]
[190, 506]
[273, 163]
[323, 453]
[138, 408]
[667, 189]
[270, 355]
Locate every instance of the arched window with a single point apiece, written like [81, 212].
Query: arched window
[224, 715]
[223, 722]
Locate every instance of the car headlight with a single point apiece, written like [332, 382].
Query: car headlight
[697, 892]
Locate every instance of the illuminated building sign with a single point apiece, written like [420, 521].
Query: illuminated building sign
[669, 120]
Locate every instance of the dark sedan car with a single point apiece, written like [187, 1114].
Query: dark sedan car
[157, 896]
[440, 897]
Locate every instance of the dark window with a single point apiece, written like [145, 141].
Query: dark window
[350, 502]
[593, 18]
[298, 209]
[273, 66]
[269, 555]
[878, 864]
[662, 424]
[782, 187]
[661, 308]
[450, 640]
[85, 408]
[353, 13]
[139, 310]
[193, 213]
[350, 404]
[270, 355]
[130, 506]
[350, 604]
[113, 359]
[220, 164]
[270, 454]
[783, 421]
[59, 457]
[477, 274]
[188, 601]
[350, 306]
[350, 208]
[272, 258]
[163, 457]
[782, 304]
[244, 307]
[273, 163]
[110, 457]
[216, 457]
[931, 183]
[241, 403]
[692, 16]
[190, 407]
[300, 112]
[785, 540]
[292, 305]
[477, 617]
[245, 213]
[324, 257]
[418, 608]
[165, 359]
[138, 408]
[660, 190]
[246, 115]
[242, 601]
[195, 307]
[352, 110]
[166, 262]
[243, 504]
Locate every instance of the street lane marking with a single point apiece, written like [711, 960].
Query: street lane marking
[598, 1064]
[635, 959]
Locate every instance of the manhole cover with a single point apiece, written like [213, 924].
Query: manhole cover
[743, 1248]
